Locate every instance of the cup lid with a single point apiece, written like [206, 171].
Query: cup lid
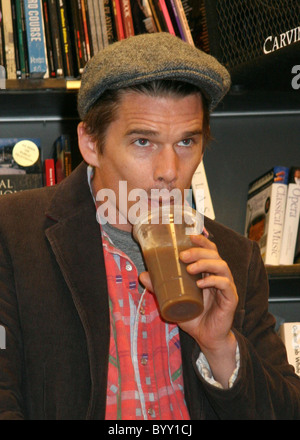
[193, 220]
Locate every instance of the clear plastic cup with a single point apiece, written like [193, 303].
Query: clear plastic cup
[162, 234]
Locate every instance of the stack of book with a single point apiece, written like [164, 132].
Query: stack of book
[273, 215]
[56, 38]
[20, 165]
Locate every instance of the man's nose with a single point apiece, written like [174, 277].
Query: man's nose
[166, 165]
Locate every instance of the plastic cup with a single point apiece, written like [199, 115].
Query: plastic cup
[162, 234]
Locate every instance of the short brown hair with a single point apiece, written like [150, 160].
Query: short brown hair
[104, 111]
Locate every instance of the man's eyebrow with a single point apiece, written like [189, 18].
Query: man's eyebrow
[188, 134]
[145, 132]
[142, 132]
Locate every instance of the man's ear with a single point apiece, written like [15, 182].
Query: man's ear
[87, 146]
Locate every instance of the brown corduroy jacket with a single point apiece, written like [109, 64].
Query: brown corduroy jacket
[54, 308]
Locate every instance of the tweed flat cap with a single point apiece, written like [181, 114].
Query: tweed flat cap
[147, 57]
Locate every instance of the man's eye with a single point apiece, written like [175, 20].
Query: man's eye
[142, 142]
[185, 143]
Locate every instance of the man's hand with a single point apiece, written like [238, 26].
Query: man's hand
[211, 329]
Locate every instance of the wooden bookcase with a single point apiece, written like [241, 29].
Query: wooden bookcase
[252, 130]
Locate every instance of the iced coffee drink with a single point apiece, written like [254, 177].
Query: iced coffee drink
[163, 234]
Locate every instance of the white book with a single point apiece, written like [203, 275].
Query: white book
[292, 217]
[265, 212]
[290, 335]
[201, 193]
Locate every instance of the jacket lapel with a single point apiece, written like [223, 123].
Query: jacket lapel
[76, 242]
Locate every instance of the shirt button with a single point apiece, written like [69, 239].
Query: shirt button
[128, 267]
[142, 311]
[151, 412]
[144, 361]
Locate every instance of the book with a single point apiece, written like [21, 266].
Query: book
[182, 16]
[143, 21]
[15, 37]
[103, 22]
[64, 29]
[127, 18]
[201, 192]
[155, 16]
[49, 172]
[86, 29]
[109, 21]
[10, 184]
[78, 42]
[289, 332]
[56, 38]
[21, 38]
[62, 157]
[291, 219]
[93, 26]
[48, 40]
[20, 156]
[266, 202]
[158, 15]
[175, 19]
[37, 56]
[166, 17]
[118, 22]
[297, 247]
[8, 37]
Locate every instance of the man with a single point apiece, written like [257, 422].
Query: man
[84, 336]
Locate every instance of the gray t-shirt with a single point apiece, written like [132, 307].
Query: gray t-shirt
[124, 241]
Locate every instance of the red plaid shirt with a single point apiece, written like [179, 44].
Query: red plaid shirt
[144, 374]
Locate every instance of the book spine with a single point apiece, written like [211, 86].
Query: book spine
[10, 60]
[201, 192]
[2, 51]
[65, 38]
[78, 40]
[56, 39]
[16, 40]
[21, 39]
[103, 22]
[155, 16]
[118, 20]
[98, 24]
[291, 224]
[167, 17]
[109, 22]
[172, 10]
[127, 18]
[48, 38]
[184, 23]
[37, 56]
[93, 28]
[49, 177]
[84, 13]
[160, 16]
[276, 218]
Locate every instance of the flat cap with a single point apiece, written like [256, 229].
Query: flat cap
[148, 57]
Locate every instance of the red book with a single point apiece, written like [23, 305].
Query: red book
[167, 17]
[49, 172]
[118, 19]
[127, 18]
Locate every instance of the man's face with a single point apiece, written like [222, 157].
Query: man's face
[154, 143]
